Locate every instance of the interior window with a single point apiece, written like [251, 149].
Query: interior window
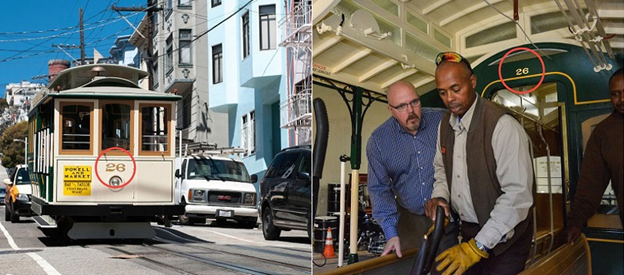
[116, 128]
[154, 130]
[76, 127]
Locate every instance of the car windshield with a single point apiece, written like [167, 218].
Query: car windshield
[22, 177]
[217, 169]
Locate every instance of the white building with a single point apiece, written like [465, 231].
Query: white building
[179, 65]
[19, 97]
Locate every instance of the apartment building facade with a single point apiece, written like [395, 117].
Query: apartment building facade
[249, 78]
[177, 58]
[235, 70]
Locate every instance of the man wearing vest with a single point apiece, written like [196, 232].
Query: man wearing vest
[603, 161]
[483, 170]
[400, 168]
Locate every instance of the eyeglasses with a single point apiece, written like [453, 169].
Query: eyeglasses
[452, 57]
[403, 107]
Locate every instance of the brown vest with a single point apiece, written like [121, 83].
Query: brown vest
[481, 164]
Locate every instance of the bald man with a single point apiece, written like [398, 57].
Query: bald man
[400, 156]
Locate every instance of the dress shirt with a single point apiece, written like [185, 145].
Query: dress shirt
[400, 165]
[513, 169]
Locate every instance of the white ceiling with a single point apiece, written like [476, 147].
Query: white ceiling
[357, 53]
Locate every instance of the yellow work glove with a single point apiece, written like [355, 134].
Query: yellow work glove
[459, 258]
[446, 222]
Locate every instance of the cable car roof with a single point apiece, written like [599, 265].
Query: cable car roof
[82, 75]
[373, 43]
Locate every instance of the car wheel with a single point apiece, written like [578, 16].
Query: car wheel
[185, 220]
[269, 230]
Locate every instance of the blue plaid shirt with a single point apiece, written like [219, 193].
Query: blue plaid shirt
[401, 164]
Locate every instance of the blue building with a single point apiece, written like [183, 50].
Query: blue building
[260, 76]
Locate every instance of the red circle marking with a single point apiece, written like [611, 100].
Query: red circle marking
[500, 66]
[133, 170]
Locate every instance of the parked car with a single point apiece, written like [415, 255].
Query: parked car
[18, 194]
[2, 193]
[215, 187]
[285, 192]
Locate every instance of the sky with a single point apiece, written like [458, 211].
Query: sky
[29, 28]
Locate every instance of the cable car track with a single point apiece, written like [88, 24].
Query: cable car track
[304, 269]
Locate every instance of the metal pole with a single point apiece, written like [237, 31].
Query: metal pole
[82, 43]
[356, 152]
[180, 144]
[26, 151]
[341, 225]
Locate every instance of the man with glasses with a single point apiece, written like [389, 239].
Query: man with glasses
[484, 172]
[400, 168]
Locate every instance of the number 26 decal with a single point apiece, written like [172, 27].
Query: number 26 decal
[522, 71]
[112, 167]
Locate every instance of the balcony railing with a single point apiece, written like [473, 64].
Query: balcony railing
[296, 26]
[297, 110]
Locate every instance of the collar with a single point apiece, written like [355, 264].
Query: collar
[464, 123]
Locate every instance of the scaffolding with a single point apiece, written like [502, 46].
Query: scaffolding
[296, 31]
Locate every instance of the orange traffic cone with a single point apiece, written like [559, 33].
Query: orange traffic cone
[329, 245]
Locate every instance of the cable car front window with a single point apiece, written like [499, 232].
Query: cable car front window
[116, 128]
[154, 129]
[76, 127]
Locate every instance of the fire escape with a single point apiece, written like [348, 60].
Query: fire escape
[296, 110]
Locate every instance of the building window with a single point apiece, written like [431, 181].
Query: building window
[169, 57]
[186, 112]
[155, 66]
[217, 64]
[186, 56]
[169, 8]
[267, 27]
[184, 3]
[155, 22]
[248, 134]
[216, 3]
[246, 43]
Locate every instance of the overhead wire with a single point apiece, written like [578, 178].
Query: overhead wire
[55, 51]
[67, 33]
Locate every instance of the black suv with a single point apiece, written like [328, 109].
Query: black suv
[285, 192]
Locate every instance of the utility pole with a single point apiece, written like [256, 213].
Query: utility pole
[82, 43]
[81, 46]
[151, 9]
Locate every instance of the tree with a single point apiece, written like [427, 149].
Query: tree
[13, 152]
[3, 105]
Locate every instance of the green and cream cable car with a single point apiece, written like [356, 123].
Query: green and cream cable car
[100, 153]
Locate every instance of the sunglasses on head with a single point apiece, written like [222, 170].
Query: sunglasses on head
[452, 57]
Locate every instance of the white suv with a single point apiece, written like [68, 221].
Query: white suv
[215, 187]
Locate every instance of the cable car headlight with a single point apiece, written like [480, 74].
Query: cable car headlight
[115, 181]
